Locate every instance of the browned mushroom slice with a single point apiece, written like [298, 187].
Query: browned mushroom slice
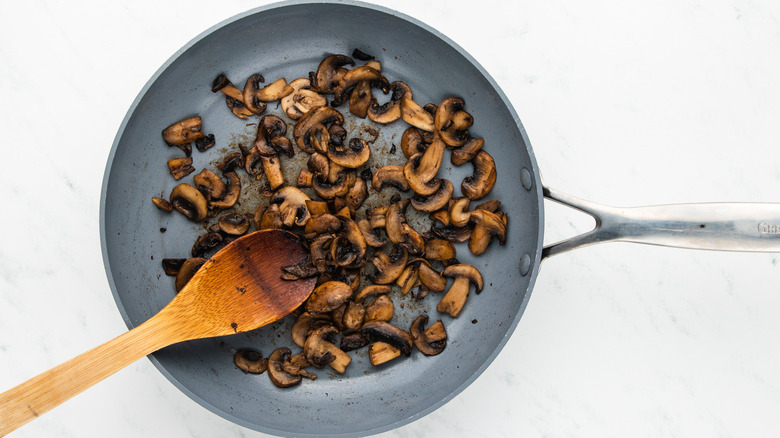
[321, 115]
[281, 144]
[467, 152]
[430, 278]
[412, 142]
[424, 168]
[389, 111]
[323, 223]
[409, 277]
[441, 216]
[250, 361]
[371, 291]
[452, 122]
[354, 77]
[296, 365]
[188, 201]
[436, 201]
[171, 267]
[415, 115]
[327, 190]
[452, 234]
[302, 99]
[353, 341]
[206, 243]
[389, 176]
[356, 195]
[222, 84]
[162, 204]
[382, 352]
[180, 167]
[353, 317]
[231, 161]
[370, 235]
[304, 179]
[351, 157]
[271, 218]
[320, 351]
[481, 183]
[395, 218]
[305, 324]
[389, 267]
[439, 250]
[487, 225]
[272, 167]
[183, 132]
[430, 342]
[351, 232]
[455, 298]
[187, 271]
[360, 99]
[274, 91]
[250, 94]
[385, 332]
[210, 184]
[292, 205]
[459, 212]
[231, 197]
[381, 309]
[330, 72]
[233, 223]
[328, 296]
[238, 108]
[205, 143]
[279, 376]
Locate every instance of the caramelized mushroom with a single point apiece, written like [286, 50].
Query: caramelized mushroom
[180, 167]
[188, 201]
[430, 342]
[455, 298]
[481, 183]
[330, 72]
[183, 132]
[250, 361]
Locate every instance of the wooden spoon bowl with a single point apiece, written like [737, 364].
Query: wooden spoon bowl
[237, 290]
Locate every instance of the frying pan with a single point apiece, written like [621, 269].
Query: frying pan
[390, 396]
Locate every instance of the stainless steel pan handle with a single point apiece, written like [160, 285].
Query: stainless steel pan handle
[723, 226]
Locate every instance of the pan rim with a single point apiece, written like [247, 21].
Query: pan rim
[536, 188]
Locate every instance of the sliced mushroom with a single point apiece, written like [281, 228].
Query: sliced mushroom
[415, 115]
[455, 298]
[180, 167]
[412, 142]
[481, 183]
[273, 91]
[353, 341]
[292, 205]
[171, 267]
[371, 291]
[302, 99]
[320, 351]
[279, 376]
[272, 218]
[429, 342]
[187, 271]
[487, 225]
[231, 197]
[422, 168]
[230, 162]
[206, 243]
[381, 309]
[353, 317]
[330, 72]
[188, 201]
[323, 223]
[233, 223]
[353, 77]
[459, 212]
[370, 235]
[385, 332]
[351, 157]
[250, 95]
[304, 179]
[296, 365]
[326, 190]
[435, 201]
[223, 85]
[183, 132]
[162, 204]
[390, 175]
[272, 167]
[430, 278]
[382, 352]
[389, 267]
[305, 324]
[360, 99]
[452, 122]
[439, 250]
[205, 143]
[356, 195]
[321, 115]
[389, 111]
[210, 184]
[328, 296]
[467, 152]
[409, 278]
[250, 361]
[395, 218]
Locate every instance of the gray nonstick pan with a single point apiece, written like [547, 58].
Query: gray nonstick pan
[366, 399]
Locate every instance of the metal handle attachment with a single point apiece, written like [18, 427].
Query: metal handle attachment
[725, 226]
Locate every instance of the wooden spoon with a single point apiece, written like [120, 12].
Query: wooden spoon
[236, 290]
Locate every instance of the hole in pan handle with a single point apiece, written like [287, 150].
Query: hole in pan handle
[720, 226]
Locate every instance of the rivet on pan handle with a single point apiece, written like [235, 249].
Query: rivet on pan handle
[721, 226]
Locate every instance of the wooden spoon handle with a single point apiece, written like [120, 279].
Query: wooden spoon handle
[49, 389]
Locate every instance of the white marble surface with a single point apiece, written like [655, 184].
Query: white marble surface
[626, 103]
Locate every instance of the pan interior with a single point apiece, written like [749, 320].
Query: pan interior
[289, 41]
